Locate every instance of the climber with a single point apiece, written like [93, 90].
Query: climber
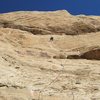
[51, 38]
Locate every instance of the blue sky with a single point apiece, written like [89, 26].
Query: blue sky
[88, 7]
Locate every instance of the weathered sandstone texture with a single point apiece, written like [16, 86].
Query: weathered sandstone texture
[33, 67]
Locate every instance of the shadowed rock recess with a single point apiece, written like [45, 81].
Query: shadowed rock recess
[92, 53]
[49, 56]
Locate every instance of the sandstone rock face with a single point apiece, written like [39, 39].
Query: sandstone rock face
[58, 22]
[32, 67]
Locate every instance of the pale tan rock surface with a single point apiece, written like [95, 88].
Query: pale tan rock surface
[58, 22]
[34, 68]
